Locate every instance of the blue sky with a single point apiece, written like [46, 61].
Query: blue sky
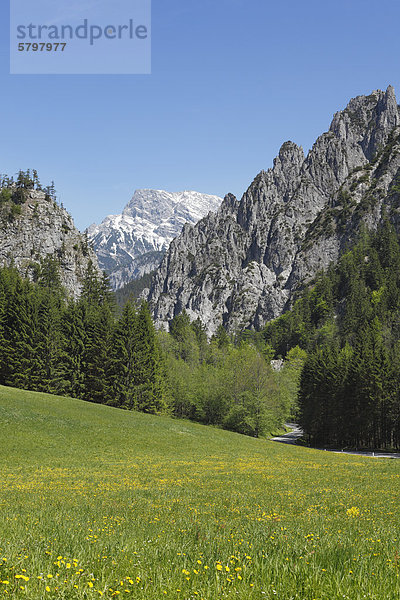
[231, 81]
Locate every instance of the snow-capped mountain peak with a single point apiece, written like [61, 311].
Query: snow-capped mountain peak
[133, 243]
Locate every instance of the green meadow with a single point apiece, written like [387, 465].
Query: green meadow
[99, 502]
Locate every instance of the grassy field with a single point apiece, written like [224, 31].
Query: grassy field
[97, 502]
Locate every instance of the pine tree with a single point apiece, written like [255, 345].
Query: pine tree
[18, 334]
[98, 323]
[72, 357]
[92, 289]
[122, 367]
[149, 395]
[47, 372]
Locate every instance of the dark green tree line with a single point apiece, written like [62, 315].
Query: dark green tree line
[80, 348]
[349, 323]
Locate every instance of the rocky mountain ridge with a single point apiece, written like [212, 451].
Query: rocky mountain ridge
[133, 243]
[243, 265]
[37, 228]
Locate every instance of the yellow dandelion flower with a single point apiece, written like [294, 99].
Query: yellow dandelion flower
[353, 511]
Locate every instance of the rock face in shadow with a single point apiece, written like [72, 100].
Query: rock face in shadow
[242, 265]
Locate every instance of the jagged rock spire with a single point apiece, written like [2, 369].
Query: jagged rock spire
[241, 266]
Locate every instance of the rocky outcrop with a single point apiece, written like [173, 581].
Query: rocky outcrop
[133, 243]
[242, 265]
[38, 228]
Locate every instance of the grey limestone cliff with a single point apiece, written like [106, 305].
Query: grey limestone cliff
[242, 265]
[40, 228]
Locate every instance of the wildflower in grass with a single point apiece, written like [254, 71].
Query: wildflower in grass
[353, 511]
[219, 567]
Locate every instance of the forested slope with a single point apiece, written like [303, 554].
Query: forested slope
[349, 323]
[90, 349]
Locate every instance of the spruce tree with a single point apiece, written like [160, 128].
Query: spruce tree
[72, 356]
[149, 395]
[122, 366]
